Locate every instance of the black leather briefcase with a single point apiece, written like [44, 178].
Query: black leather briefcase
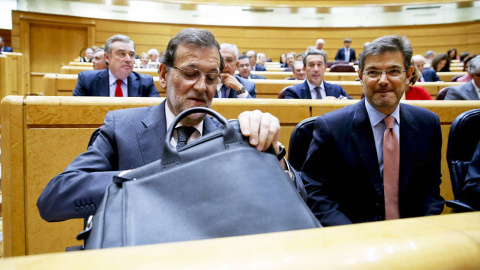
[217, 186]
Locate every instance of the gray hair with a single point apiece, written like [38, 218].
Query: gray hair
[315, 52]
[153, 52]
[198, 37]
[474, 66]
[233, 47]
[419, 57]
[384, 44]
[118, 37]
[429, 52]
[298, 63]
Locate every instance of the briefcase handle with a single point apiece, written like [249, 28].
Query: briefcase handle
[231, 135]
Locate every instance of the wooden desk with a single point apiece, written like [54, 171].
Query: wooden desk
[437, 242]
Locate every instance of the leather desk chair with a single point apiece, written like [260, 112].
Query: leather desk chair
[462, 142]
[300, 140]
[442, 93]
[342, 68]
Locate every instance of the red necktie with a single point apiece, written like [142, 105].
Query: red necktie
[391, 169]
[118, 90]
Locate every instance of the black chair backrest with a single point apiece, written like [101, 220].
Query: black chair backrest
[342, 68]
[300, 140]
[442, 93]
[454, 79]
[462, 141]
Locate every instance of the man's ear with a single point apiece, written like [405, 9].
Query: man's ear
[106, 57]
[162, 75]
[360, 76]
[410, 73]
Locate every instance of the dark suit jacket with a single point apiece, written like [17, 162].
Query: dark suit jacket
[257, 77]
[462, 92]
[341, 55]
[430, 75]
[302, 91]
[129, 138]
[96, 83]
[249, 86]
[259, 68]
[342, 173]
[7, 49]
[472, 181]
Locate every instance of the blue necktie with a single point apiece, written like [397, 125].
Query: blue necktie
[317, 89]
[224, 91]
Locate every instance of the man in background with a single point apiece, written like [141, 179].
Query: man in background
[231, 85]
[243, 65]
[314, 87]
[298, 71]
[119, 79]
[253, 60]
[99, 60]
[4, 48]
[471, 89]
[346, 53]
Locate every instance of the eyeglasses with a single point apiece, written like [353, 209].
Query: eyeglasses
[391, 73]
[193, 75]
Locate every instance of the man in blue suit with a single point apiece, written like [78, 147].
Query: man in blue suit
[469, 90]
[130, 138]
[252, 55]
[4, 48]
[119, 79]
[314, 87]
[231, 85]
[346, 53]
[243, 66]
[345, 166]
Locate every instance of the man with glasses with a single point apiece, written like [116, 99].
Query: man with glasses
[189, 72]
[470, 90]
[119, 79]
[314, 87]
[377, 159]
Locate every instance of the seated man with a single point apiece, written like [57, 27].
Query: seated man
[472, 181]
[119, 79]
[231, 85]
[357, 168]
[4, 48]
[131, 138]
[471, 89]
[314, 87]
[244, 70]
[252, 55]
[298, 71]
[99, 60]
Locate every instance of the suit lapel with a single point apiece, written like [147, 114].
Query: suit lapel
[133, 85]
[152, 137]
[103, 84]
[305, 91]
[364, 141]
[328, 89]
[472, 94]
[408, 146]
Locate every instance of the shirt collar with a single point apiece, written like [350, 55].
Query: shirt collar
[112, 79]
[377, 117]
[170, 117]
[312, 86]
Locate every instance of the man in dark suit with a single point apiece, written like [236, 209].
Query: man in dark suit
[243, 66]
[472, 181]
[314, 87]
[298, 71]
[231, 85]
[252, 55]
[430, 75]
[130, 138]
[346, 53]
[471, 89]
[119, 79]
[345, 171]
[4, 48]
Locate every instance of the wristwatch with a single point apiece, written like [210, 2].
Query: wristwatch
[241, 91]
[282, 152]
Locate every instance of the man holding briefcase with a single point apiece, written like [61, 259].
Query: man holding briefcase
[131, 138]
